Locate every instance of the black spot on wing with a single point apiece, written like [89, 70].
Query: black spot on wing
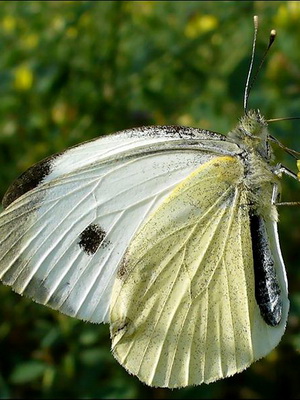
[267, 291]
[29, 180]
[91, 238]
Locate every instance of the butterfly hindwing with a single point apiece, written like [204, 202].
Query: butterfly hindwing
[183, 305]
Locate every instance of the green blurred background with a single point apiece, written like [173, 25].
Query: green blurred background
[72, 71]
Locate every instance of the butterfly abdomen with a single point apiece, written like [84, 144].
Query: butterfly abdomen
[267, 291]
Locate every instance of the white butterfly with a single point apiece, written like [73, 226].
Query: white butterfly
[168, 234]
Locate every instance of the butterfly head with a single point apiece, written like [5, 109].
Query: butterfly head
[252, 133]
[254, 125]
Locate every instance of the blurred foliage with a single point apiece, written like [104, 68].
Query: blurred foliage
[71, 71]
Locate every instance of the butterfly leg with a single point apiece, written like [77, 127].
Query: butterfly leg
[283, 170]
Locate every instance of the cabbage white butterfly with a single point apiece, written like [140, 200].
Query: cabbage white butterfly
[167, 233]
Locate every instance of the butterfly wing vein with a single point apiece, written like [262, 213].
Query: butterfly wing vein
[190, 266]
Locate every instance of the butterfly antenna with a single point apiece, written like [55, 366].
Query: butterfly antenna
[293, 153]
[281, 119]
[249, 83]
[246, 94]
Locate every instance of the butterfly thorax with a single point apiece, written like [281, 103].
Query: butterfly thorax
[259, 182]
[251, 134]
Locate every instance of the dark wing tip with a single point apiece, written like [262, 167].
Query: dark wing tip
[29, 180]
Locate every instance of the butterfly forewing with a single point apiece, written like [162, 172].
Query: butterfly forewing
[62, 241]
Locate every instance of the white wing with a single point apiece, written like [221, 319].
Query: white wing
[69, 219]
[183, 308]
